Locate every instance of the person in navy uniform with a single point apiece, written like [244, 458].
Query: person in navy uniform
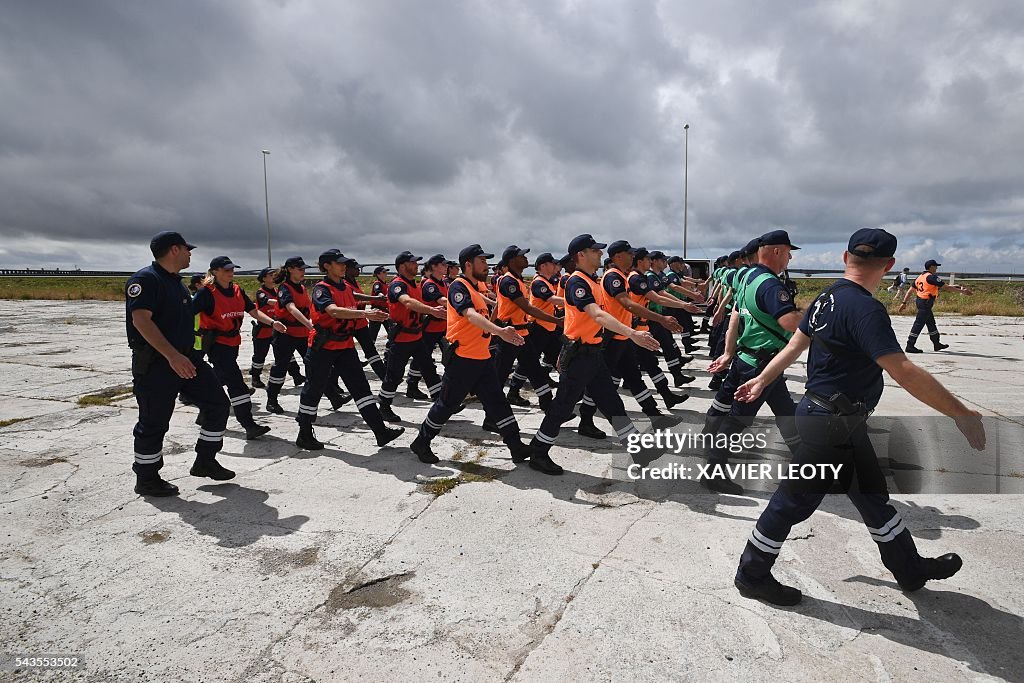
[160, 327]
[926, 290]
[435, 293]
[851, 341]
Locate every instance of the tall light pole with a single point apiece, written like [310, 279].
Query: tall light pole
[686, 179]
[266, 202]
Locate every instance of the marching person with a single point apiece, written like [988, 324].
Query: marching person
[452, 272]
[379, 288]
[435, 293]
[900, 284]
[160, 327]
[262, 335]
[469, 369]
[926, 287]
[407, 312]
[851, 341]
[293, 312]
[332, 352]
[221, 305]
[361, 330]
[545, 335]
[657, 284]
[675, 276]
[581, 362]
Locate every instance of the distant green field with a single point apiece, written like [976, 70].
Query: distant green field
[990, 298]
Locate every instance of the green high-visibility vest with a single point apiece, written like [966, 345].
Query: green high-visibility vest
[656, 308]
[198, 345]
[760, 330]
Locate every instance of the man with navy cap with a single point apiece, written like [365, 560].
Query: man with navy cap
[160, 326]
[435, 293]
[379, 288]
[408, 314]
[926, 288]
[850, 340]
[657, 283]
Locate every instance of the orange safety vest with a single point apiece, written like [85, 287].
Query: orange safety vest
[612, 305]
[579, 325]
[359, 323]
[265, 331]
[324, 322]
[226, 319]
[410, 323]
[640, 323]
[473, 342]
[543, 304]
[436, 324]
[508, 313]
[925, 290]
[301, 300]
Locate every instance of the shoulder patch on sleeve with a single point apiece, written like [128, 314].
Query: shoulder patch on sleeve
[616, 283]
[580, 292]
[321, 290]
[134, 289]
[783, 296]
[458, 296]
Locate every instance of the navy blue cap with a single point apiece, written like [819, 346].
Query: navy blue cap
[565, 261]
[931, 262]
[405, 257]
[658, 255]
[198, 277]
[639, 253]
[331, 256]
[511, 251]
[752, 247]
[734, 255]
[880, 243]
[776, 237]
[618, 246]
[295, 262]
[167, 239]
[451, 263]
[265, 272]
[584, 241]
[434, 260]
[221, 262]
[674, 259]
[543, 258]
[471, 252]
[380, 269]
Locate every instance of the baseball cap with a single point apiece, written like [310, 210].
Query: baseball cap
[405, 257]
[619, 246]
[776, 237]
[543, 258]
[471, 252]
[734, 255]
[380, 269]
[222, 262]
[658, 255]
[584, 241]
[931, 262]
[640, 253]
[451, 263]
[881, 243]
[331, 256]
[674, 259]
[511, 251]
[196, 278]
[295, 262]
[265, 272]
[752, 247]
[434, 260]
[167, 239]
[565, 261]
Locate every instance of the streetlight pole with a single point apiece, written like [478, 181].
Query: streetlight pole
[266, 201]
[686, 180]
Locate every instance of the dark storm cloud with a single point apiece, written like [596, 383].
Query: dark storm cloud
[431, 124]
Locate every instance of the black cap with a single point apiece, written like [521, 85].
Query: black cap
[221, 262]
[776, 237]
[471, 252]
[295, 262]
[881, 242]
[931, 262]
[434, 260]
[511, 251]
[331, 256]
[752, 247]
[674, 259]
[405, 257]
[196, 278]
[543, 258]
[450, 264]
[640, 252]
[619, 246]
[734, 255]
[658, 255]
[349, 261]
[380, 269]
[265, 272]
[167, 239]
[585, 241]
[565, 261]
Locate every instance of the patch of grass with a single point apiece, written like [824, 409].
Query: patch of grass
[989, 298]
[439, 487]
[105, 397]
[12, 421]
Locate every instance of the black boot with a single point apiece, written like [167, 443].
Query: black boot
[722, 485]
[658, 419]
[681, 379]
[297, 376]
[338, 398]
[672, 399]
[255, 431]
[421, 447]
[912, 349]
[306, 440]
[257, 383]
[154, 487]
[209, 467]
[387, 413]
[386, 435]
[939, 345]
[516, 399]
[520, 451]
[542, 462]
[588, 429]
[934, 568]
[273, 390]
[716, 383]
[414, 391]
[770, 591]
[489, 426]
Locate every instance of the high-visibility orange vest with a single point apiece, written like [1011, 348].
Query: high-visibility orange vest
[508, 313]
[343, 296]
[641, 323]
[227, 315]
[925, 290]
[579, 325]
[612, 305]
[473, 342]
[262, 331]
[409, 321]
[436, 324]
[543, 304]
[301, 300]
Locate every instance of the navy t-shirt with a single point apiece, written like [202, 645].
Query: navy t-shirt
[202, 302]
[928, 302]
[431, 292]
[858, 331]
[771, 296]
[397, 288]
[322, 296]
[578, 293]
[614, 285]
[459, 298]
[509, 287]
[165, 295]
[541, 288]
[638, 283]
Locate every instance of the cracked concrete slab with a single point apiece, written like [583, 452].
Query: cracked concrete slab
[340, 565]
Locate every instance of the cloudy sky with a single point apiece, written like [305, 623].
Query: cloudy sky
[429, 125]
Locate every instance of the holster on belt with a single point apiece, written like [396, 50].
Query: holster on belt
[845, 415]
[448, 353]
[324, 335]
[143, 356]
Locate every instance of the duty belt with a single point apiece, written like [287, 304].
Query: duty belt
[838, 404]
[508, 323]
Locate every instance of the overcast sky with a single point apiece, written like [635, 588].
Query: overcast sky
[429, 125]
